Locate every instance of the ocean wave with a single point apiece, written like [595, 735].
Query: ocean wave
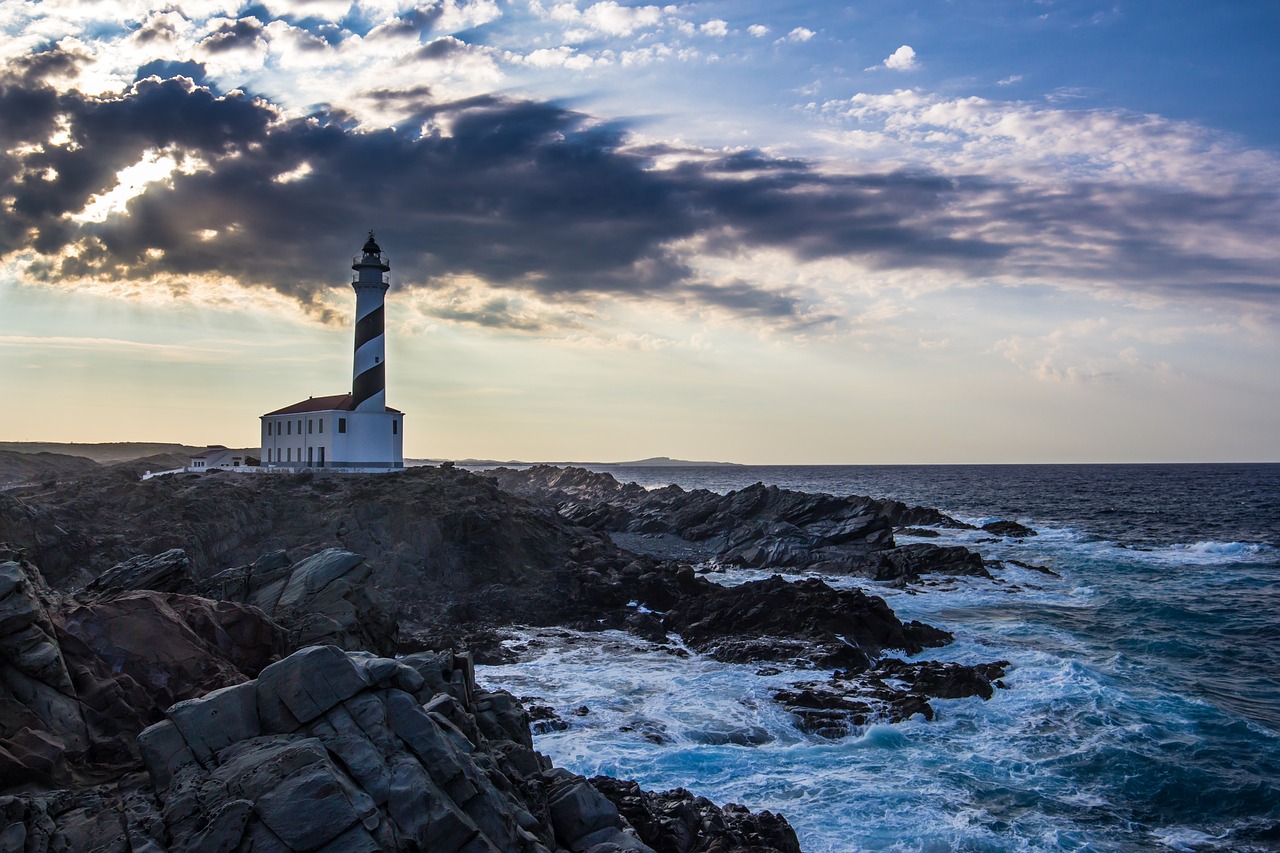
[1231, 549]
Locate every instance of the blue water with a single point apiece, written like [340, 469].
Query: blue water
[1144, 703]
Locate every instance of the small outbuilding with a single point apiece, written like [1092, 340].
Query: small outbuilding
[216, 456]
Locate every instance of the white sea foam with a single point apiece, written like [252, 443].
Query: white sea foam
[1187, 839]
[714, 728]
[1049, 763]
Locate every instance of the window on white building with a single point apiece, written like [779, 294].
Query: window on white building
[395, 427]
[311, 426]
[342, 424]
[321, 427]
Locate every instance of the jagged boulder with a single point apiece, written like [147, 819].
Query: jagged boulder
[338, 751]
[345, 751]
[909, 562]
[1012, 529]
[80, 678]
[40, 716]
[676, 821]
[169, 571]
[327, 598]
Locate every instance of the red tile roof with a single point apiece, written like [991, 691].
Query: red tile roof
[333, 403]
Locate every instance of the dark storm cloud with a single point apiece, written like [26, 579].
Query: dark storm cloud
[525, 194]
[36, 69]
[411, 96]
[244, 34]
[165, 68]
[441, 48]
[159, 28]
[745, 300]
[414, 23]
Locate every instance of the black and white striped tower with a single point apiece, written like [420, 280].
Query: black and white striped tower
[369, 377]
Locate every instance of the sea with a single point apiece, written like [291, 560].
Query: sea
[1142, 709]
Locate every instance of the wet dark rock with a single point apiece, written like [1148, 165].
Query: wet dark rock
[923, 532]
[1044, 570]
[890, 692]
[543, 718]
[909, 562]
[805, 623]
[1011, 529]
[676, 821]
[944, 680]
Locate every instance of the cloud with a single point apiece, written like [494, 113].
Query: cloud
[797, 36]
[1010, 80]
[758, 30]
[170, 352]
[542, 202]
[606, 18]
[244, 34]
[902, 59]
[715, 28]
[1078, 354]
[516, 193]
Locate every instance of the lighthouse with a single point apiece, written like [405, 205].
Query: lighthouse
[356, 430]
[369, 375]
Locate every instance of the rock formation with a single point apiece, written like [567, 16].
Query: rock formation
[447, 546]
[325, 749]
[805, 623]
[890, 692]
[235, 637]
[759, 526]
[80, 679]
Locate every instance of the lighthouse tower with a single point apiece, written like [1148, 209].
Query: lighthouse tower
[355, 430]
[369, 376]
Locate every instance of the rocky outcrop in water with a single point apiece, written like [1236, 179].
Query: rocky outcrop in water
[756, 527]
[890, 692]
[806, 623]
[678, 822]
[1011, 529]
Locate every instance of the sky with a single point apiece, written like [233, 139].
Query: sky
[774, 233]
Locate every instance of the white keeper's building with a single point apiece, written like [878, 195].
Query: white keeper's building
[353, 430]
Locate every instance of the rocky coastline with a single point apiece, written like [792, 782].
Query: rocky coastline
[186, 658]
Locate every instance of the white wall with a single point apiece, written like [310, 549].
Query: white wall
[368, 439]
